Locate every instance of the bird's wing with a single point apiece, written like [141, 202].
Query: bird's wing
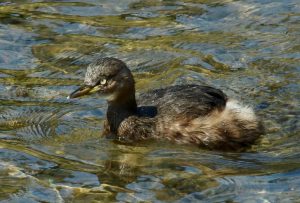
[187, 100]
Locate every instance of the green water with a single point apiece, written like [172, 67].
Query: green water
[51, 149]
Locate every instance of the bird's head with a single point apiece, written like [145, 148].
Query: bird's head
[108, 77]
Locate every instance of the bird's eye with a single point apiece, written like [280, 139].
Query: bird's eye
[103, 81]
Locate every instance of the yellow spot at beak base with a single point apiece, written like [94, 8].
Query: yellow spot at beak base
[95, 89]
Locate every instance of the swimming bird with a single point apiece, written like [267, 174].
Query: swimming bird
[184, 114]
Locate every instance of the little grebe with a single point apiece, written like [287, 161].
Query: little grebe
[195, 114]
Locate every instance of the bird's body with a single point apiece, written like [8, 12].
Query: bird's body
[186, 114]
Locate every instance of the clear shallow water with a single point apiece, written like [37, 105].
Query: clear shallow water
[51, 149]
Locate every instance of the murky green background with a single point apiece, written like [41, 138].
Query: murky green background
[51, 149]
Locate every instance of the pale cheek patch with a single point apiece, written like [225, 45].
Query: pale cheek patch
[110, 96]
[110, 91]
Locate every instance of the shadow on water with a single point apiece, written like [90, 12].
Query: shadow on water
[51, 149]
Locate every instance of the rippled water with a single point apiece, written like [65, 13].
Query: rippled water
[51, 149]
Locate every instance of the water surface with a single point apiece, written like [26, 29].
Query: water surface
[51, 148]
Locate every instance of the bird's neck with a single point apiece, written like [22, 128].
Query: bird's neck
[119, 110]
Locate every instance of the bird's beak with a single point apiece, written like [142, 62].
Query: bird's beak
[83, 90]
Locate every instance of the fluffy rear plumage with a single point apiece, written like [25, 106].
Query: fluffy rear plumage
[234, 127]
